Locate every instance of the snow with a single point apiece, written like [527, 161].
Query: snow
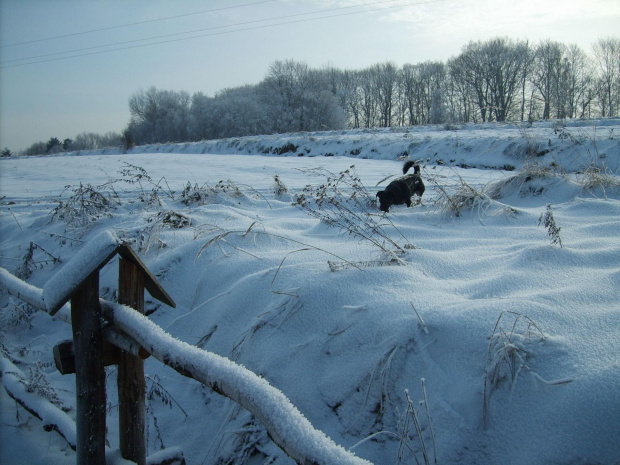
[250, 276]
[166, 454]
[65, 281]
[274, 410]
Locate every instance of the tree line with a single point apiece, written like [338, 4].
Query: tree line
[83, 141]
[500, 79]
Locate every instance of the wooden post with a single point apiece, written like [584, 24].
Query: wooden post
[131, 383]
[89, 373]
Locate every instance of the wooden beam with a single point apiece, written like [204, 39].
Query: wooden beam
[131, 383]
[89, 373]
[64, 356]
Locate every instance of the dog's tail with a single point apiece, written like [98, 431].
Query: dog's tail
[408, 165]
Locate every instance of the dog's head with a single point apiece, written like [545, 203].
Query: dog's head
[385, 201]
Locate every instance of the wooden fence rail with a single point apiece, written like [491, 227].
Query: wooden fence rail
[137, 336]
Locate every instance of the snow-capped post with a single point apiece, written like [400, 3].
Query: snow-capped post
[130, 380]
[78, 281]
[133, 278]
[89, 372]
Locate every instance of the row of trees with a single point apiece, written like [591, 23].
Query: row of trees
[496, 80]
[83, 141]
[291, 98]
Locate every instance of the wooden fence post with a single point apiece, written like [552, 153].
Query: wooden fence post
[131, 383]
[89, 373]
[78, 281]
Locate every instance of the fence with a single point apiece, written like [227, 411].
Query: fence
[127, 338]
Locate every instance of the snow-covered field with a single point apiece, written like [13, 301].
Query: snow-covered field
[482, 305]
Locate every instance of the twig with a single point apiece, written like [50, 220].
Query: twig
[430, 423]
[417, 427]
[424, 328]
[60, 236]
[15, 218]
[278, 270]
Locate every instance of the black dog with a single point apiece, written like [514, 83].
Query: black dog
[402, 189]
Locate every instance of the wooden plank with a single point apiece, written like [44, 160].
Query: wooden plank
[90, 374]
[150, 282]
[131, 383]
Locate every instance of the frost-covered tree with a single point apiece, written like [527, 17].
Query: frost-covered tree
[432, 83]
[348, 95]
[236, 112]
[94, 141]
[159, 116]
[53, 145]
[297, 98]
[198, 122]
[38, 148]
[437, 113]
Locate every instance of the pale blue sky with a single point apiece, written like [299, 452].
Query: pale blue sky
[64, 97]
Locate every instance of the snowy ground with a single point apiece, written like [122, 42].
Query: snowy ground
[341, 325]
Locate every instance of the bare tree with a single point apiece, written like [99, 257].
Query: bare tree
[384, 78]
[349, 97]
[410, 90]
[367, 98]
[467, 69]
[578, 82]
[607, 56]
[505, 61]
[491, 73]
[547, 72]
[432, 83]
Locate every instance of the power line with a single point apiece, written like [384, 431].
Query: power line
[135, 24]
[219, 33]
[191, 32]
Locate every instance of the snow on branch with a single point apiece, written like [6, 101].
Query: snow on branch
[52, 417]
[22, 290]
[286, 425]
[30, 294]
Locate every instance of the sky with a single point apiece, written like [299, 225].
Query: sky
[70, 66]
